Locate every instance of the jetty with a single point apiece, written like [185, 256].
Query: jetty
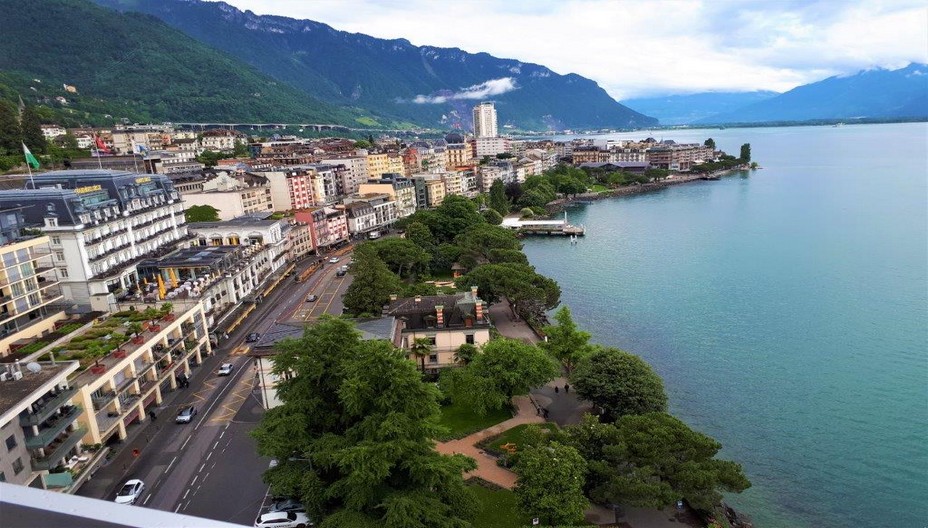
[543, 227]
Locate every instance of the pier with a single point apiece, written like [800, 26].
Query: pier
[543, 227]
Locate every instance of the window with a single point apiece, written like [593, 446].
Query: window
[469, 339]
[10, 443]
[432, 340]
[433, 358]
[56, 240]
[59, 255]
[17, 466]
[63, 273]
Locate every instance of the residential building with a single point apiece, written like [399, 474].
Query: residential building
[126, 140]
[380, 164]
[355, 172]
[171, 162]
[458, 155]
[221, 140]
[490, 146]
[499, 170]
[361, 218]
[401, 190]
[383, 205]
[299, 241]
[30, 296]
[430, 190]
[232, 199]
[445, 322]
[672, 156]
[38, 423]
[100, 224]
[245, 231]
[52, 131]
[328, 226]
[485, 120]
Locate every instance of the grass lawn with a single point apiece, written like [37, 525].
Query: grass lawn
[461, 421]
[513, 435]
[599, 188]
[498, 509]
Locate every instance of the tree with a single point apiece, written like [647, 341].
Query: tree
[513, 191]
[504, 368]
[529, 293]
[498, 200]
[652, 460]
[420, 235]
[401, 255]
[354, 435]
[619, 383]
[466, 353]
[31, 130]
[478, 243]
[372, 286]
[202, 213]
[67, 141]
[240, 150]
[421, 348]
[550, 485]
[565, 342]
[710, 143]
[492, 217]
[9, 129]
[745, 153]
[362, 144]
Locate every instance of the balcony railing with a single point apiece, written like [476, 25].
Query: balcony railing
[100, 402]
[54, 428]
[59, 449]
[48, 407]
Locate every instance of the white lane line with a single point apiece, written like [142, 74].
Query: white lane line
[146, 500]
[177, 508]
[185, 442]
[169, 465]
[185, 494]
[222, 433]
[192, 482]
[204, 478]
[209, 455]
[216, 444]
[201, 467]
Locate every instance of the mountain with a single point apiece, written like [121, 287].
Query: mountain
[417, 84]
[134, 66]
[870, 94]
[685, 109]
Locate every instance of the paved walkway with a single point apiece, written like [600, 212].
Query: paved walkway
[564, 408]
[508, 325]
[486, 464]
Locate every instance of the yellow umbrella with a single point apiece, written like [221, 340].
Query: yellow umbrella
[173, 277]
[161, 291]
[144, 281]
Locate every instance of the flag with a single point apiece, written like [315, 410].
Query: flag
[30, 159]
[141, 149]
[101, 146]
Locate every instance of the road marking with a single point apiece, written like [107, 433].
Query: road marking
[192, 482]
[146, 500]
[169, 465]
[185, 494]
[177, 508]
[209, 455]
[185, 441]
[201, 467]
[216, 444]
[223, 432]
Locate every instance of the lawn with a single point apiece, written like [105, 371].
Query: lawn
[494, 444]
[461, 421]
[599, 188]
[498, 509]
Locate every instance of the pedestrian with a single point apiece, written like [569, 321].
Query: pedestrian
[566, 388]
[557, 389]
[151, 414]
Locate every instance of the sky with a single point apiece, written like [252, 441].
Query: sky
[649, 47]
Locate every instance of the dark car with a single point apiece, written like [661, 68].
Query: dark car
[253, 337]
[186, 414]
[341, 273]
[312, 298]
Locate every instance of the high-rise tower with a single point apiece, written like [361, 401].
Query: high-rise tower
[485, 120]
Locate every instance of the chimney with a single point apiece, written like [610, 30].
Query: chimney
[418, 299]
[392, 297]
[473, 292]
[439, 315]
[479, 308]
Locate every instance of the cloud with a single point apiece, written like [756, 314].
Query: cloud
[477, 91]
[648, 48]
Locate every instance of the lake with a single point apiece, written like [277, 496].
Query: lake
[786, 309]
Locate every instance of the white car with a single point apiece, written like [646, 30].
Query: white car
[130, 492]
[288, 519]
[333, 260]
[225, 369]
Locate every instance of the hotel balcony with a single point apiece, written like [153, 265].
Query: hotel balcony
[53, 429]
[47, 407]
[59, 449]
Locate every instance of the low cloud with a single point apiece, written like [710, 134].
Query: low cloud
[478, 91]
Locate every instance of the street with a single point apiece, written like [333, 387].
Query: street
[209, 467]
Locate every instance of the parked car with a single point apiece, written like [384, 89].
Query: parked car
[333, 260]
[186, 414]
[286, 505]
[253, 337]
[225, 369]
[312, 298]
[130, 492]
[341, 273]
[282, 519]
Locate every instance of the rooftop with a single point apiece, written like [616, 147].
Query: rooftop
[31, 386]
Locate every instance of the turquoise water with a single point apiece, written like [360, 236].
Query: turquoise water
[786, 309]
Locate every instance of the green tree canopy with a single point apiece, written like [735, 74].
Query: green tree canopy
[745, 153]
[371, 287]
[498, 200]
[404, 257]
[619, 383]
[354, 435]
[478, 243]
[31, 131]
[504, 368]
[201, 213]
[652, 460]
[551, 482]
[565, 341]
[9, 129]
[492, 217]
[528, 292]
[710, 143]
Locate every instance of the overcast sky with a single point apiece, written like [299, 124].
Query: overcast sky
[649, 47]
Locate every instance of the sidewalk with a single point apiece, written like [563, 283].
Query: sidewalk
[509, 326]
[486, 464]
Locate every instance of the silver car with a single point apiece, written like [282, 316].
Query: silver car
[130, 492]
[186, 414]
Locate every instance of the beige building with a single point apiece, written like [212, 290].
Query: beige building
[232, 203]
[400, 190]
[380, 164]
[458, 155]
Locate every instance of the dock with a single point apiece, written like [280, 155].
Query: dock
[543, 227]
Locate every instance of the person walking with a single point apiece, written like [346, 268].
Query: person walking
[557, 389]
[566, 388]
[151, 414]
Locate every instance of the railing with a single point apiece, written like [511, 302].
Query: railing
[53, 430]
[48, 407]
[106, 420]
[52, 460]
[100, 402]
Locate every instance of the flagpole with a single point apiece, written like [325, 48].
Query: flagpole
[31, 180]
[26, 154]
[135, 162]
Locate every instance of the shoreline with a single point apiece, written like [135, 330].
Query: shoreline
[557, 206]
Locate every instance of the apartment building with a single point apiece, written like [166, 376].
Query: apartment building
[401, 190]
[380, 164]
[245, 231]
[430, 190]
[361, 218]
[485, 120]
[382, 205]
[100, 224]
[30, 296]
[489, 146]
[328, 226]
[678, 156]
[355, 172]
[50, 132]
[38, 424]
[458, 155]
[126, 140]
[231, 198]
[221, 140]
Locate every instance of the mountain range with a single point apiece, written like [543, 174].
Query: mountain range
[423, 85]
[869, 94]
[689, 108]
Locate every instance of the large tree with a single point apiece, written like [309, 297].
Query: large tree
[481, 243]
[31, 130]
[9, 129]
[402, 256]
[371, 286]
[354, 435]
[652, 460]
[529, 293]
[745, 156]
[202, 213]
[498, 200]
[565, 341]
[550, 485]
[619, 383]
[503, 369]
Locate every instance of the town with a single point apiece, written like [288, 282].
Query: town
[157, 280]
